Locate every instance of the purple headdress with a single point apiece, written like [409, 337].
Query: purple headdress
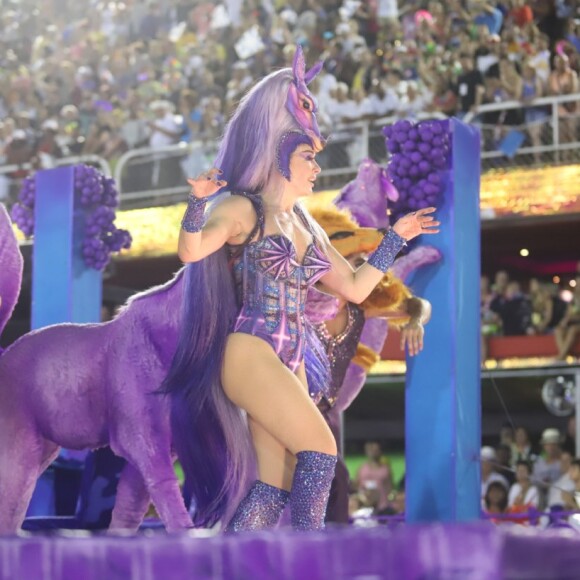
[301, 103]
[210, 434]
[286, 146]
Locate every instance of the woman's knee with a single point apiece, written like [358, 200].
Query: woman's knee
[323, 442]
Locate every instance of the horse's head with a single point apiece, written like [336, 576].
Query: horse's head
[368, 196]
[301, 103]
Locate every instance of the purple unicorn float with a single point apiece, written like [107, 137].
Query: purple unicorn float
[84, 386]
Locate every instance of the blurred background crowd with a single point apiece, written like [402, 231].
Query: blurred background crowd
[99, 78]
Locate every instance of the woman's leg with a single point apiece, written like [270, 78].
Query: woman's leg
[282, 418]
[263, 505]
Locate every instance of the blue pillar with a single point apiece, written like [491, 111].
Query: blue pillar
[443, 405]
[64, 289]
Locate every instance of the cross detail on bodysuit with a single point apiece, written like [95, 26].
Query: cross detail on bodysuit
[241, 319]
[281, 337]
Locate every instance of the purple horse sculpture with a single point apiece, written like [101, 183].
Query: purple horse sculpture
[86, 386]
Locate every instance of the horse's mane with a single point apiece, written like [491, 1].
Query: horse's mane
[141, 300]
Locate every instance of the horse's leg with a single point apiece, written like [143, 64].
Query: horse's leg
[22, 460]
[132, 500]
[156, 469]
[145, 443]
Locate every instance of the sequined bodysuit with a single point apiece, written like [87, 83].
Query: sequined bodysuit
[340, 350]
[272, 285]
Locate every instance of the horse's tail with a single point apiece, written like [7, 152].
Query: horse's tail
[210, 434]
[11, 264]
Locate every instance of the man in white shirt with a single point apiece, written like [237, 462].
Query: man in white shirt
[547, 468]
[165, 130]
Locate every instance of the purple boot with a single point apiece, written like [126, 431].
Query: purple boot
[310, 489]
[260, 509]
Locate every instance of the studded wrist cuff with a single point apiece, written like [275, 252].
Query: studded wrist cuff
[384, 256]
[194, 218]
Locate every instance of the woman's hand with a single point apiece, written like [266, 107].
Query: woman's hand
[412, 335]
[206, 184]
[416, 223]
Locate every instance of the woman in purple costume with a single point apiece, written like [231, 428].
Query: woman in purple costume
[240, 359]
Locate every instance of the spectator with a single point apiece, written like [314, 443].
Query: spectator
[18, 151]
[375, 474]
[415, 100]
[495, 501]
[572, 498]
[515, 311]
[490, 321]
[48, 148]
[522, 493]
[548, 468]
[521, 13]
[540, 60]
[548, 308]
[488, 473]
[503, 466]
[164, 131]
[500, 283]
[152, 22]
[506, 435]
[488, 15]
[568, 330]
[535, 117]
[563, 484]
[564, 81]
[522, 448]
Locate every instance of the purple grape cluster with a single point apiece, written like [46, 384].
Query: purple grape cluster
[98, 197]
[23, 211]
[418, 154]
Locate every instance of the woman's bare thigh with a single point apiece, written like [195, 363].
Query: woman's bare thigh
[274, 398]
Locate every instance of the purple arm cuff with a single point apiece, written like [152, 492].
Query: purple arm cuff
[194, 218]
[384, 256]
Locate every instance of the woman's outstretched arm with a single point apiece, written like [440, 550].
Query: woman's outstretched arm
[356, 285]
[200, 234]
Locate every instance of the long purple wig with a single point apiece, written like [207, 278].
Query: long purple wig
[210, 434]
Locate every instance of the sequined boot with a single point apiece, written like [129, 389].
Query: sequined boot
[260, 509]
[310, 489]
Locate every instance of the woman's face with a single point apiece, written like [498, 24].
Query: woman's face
[522, 474]
[496, 495]
[521, 437]
[303, 170]
[373, 450]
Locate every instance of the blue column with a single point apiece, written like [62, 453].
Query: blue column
[63, 288]
[443, 405]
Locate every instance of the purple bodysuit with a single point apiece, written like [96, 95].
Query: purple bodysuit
[272, 285]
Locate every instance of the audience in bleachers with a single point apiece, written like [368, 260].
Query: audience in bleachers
[79, 76]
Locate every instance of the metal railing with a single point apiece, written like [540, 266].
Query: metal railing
[547, 134]
[11, 176]
[541, 132]
[158, 176]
